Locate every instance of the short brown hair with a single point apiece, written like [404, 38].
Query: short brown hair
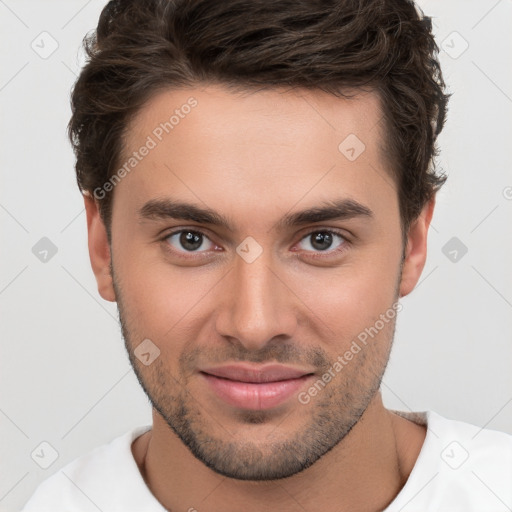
[141, 47]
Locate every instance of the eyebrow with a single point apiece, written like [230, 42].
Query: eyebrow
[168, 208]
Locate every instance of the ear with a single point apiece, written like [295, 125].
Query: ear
[416, 249]
[99, 249]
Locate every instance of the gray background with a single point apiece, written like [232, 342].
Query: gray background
[64, 375]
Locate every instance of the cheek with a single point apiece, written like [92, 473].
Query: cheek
[350, 298]
[160, 299]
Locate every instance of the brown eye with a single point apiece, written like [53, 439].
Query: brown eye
[187, 240]
[322, 241]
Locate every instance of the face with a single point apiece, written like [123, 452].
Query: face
[257, 229]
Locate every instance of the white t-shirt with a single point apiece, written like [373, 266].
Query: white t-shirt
[461, 468]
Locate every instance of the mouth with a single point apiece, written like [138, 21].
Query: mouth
[255, 387]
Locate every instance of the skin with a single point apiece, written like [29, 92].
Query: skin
[341, 451]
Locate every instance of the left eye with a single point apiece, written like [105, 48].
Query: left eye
[322, 240]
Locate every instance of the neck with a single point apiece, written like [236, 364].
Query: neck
[364, 472]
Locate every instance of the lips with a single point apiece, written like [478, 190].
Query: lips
[255, 387]
[244, 373]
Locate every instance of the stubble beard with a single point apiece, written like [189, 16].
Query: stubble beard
[331, 414]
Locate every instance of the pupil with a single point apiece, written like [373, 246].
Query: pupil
[322, 241]
[190, 240]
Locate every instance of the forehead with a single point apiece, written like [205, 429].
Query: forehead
[257, 148]
[219, 112]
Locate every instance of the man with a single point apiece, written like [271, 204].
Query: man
[259, 182]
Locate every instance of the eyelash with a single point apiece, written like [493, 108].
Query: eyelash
[314, 255]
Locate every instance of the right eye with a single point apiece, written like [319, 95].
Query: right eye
[187, 240]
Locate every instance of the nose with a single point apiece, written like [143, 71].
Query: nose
[258, 305]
